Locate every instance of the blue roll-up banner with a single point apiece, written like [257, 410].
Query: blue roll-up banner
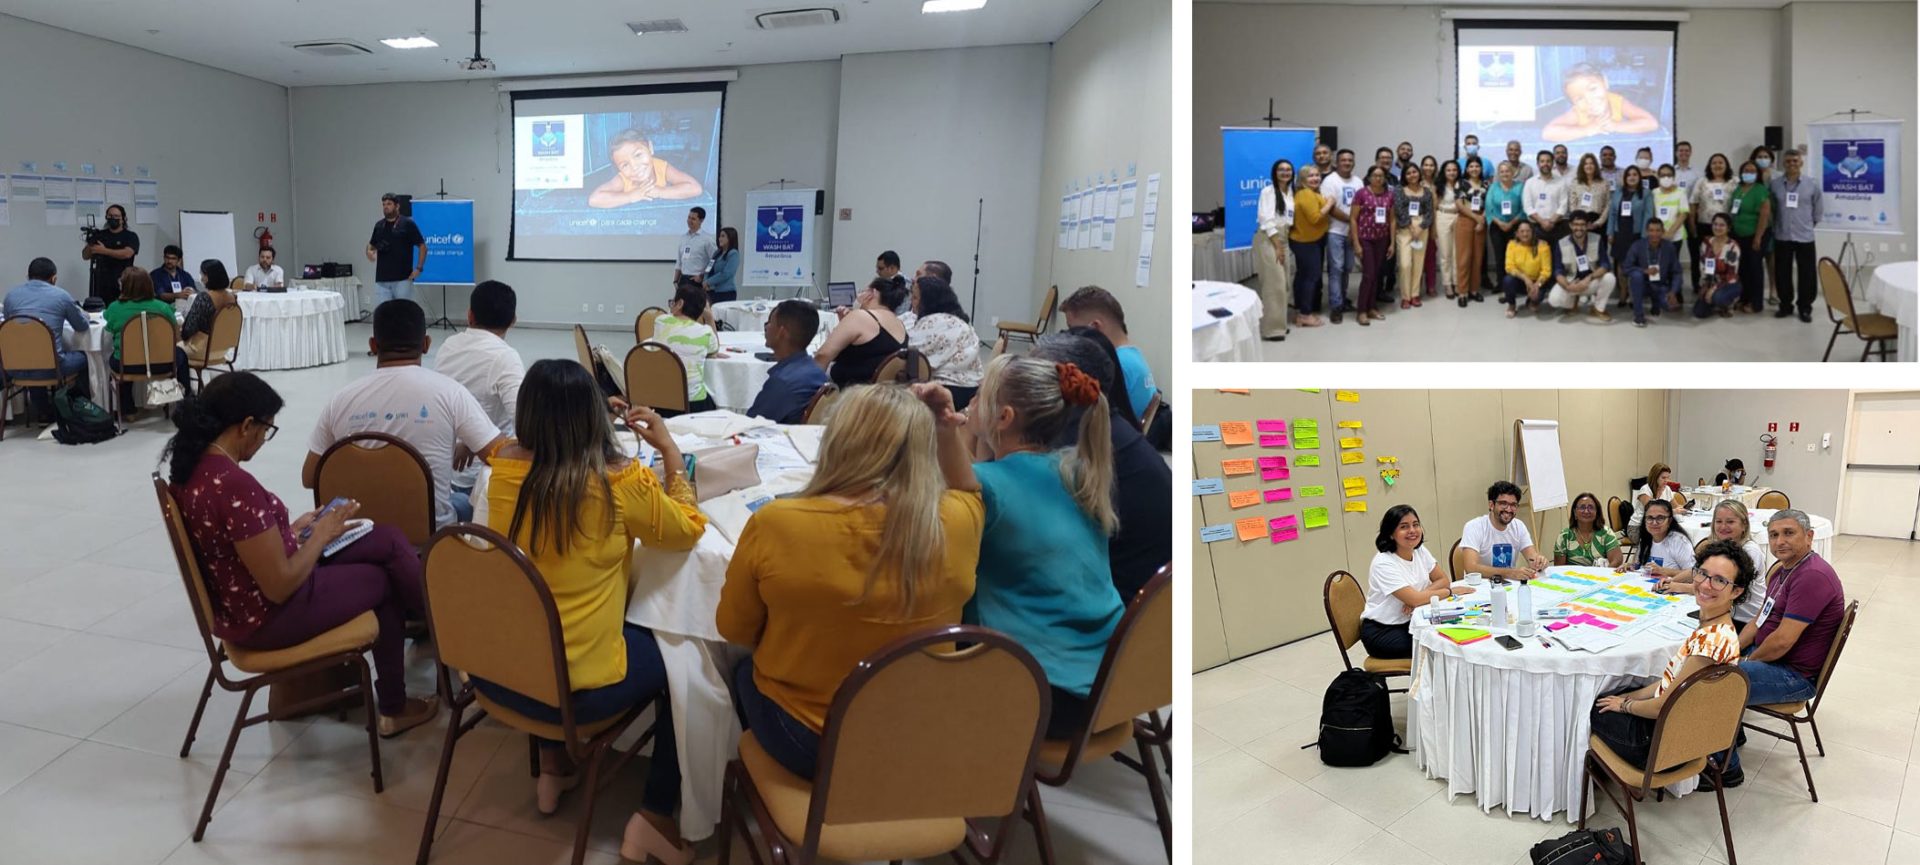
[448, 227]
[1247, 156]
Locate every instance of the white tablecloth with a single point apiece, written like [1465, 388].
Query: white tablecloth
[733, 381]
[1234, 338]
[1511, 727]
[297, 329]
[750, 316]
[347, 286]
[1894, 291]
[1214, 263]
[1708, 496]
[98, 345]
[1699, 524]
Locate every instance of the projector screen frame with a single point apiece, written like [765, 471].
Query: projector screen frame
[719, 144]
[1670, 26]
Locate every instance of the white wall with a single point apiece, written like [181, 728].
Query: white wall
[1108, 101]
[924, 136]
[1711, 425]
[77, 99]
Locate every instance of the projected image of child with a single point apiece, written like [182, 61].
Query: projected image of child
[1593, 110]
[640, 176]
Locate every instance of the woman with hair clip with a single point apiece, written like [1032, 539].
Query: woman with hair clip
[1663, 550]
[1403, 576]
[895, 494]
[268, 585]
[1730, 524]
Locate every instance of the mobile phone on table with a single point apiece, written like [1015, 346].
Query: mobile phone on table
[1220, 312]
[338, 501]
[1508, 643]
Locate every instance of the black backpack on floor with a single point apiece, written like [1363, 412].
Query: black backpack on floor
[1584, 847]
[1356, 724]
[81, 421]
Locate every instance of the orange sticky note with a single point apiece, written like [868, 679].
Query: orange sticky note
[1237, 467]
[1239, 390]
[1243, 498]
[1236, 432]
[1251, 528]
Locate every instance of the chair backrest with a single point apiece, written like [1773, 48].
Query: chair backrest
[1701, 545]
[1773, 500]
[148, 341]
[1456, 561]
[238, 284]
[387, 476]
[1153, 410]
[26, 343]
[1345, 601]
[643, 323]
[656, 378]
[822, 400]
[1833, 655]
[583, 348]
[188, 563]
[920, 731]
[1833, 287]
[1700, 717]
[1616, 518]
[1679, 499]
[906, 366]
[225, 336]
[1133, 675]
[1048, 307]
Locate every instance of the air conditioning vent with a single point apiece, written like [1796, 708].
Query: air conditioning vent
[787, 19]
[331, 48]
[667, 25]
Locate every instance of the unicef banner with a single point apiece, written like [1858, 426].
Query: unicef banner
[448, 228]
[1248, 155]
[1859, 167]
[781, 237]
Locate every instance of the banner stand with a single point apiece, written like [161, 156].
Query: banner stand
[780, 243]
[447, 225]
[1247, 156]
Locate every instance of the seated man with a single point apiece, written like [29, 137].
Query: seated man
[1787, 644]
[264, 273]
[426, 409]
[40, 298]
[794, 378]
[1498, 545]
[1097, 308]
[172, 283]
[1583, 272]
[480, 359]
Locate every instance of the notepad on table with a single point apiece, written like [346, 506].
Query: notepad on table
[1464, 636]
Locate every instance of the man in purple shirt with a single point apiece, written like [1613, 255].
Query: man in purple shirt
[1786, 645]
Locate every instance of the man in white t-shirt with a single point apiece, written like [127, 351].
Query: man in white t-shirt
[480, 359]
[1498, 545]
[1339, 188]
[423, 408]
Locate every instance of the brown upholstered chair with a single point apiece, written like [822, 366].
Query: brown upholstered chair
[26, 343]
[390, 480]
[1616, 518]
[906, 366]
[220, 348]
[492, 617]
[822, 401]
[1012, 330]
[920, 739]
[582, 348]
[1795, 714]
[656, 378]
[1456, 562]
[1699, 718]
[1870, 327]
[1679, 499]
[146, 354]
[1702, 544]
[1773, 500]
[1345, 601]
[643, 323]
[344, 646]
[1153, 410]
[1132, 681]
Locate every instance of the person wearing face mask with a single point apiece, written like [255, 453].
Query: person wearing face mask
[1670, 207]
[1752, 211]
[1643, 159]
[1522, 171]
[1764, 160]
[111, 252]
[1798, 204]
[1734, 472]
[1470, 152]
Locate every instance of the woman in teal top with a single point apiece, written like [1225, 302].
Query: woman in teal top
[726, 263]
[136, 297]
[1044, 576]
[1505, 212]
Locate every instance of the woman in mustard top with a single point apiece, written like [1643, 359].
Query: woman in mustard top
[567, 493]
[883, 542]
[1308, 241]
[1529, 264]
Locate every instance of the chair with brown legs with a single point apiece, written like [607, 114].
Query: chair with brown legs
[920, 741]
[1795, 714]
[220, 348]
[29, 358]
[1773, 500]
[492, 617]
[1870, 327]
[1012, 330]
[1455, 562]
[146, 354]
[342, 647]
[1699, 719]
[1345, 601]
[389, 479]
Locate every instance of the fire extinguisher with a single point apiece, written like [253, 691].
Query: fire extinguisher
[266, 236]
[1770, 450]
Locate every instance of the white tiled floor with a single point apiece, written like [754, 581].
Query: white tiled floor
[100, 666]
[1256, 791]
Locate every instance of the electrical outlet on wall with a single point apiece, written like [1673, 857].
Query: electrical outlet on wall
[619, 307]
[583, 307]
[1809, 447]
[600, 308]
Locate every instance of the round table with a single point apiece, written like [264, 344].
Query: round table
[1892, 290]
[1699, 524]
[291, 330]
[1708, 496]
[1234, 338]
[735, 379]
[1213, 262]
[750, 316]
[1511, 727]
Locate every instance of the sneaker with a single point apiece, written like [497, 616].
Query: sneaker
[419, 710]
[1639, 322]
[1602, 314]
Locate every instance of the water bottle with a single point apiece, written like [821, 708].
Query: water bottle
[1524, 597]
[1499, 618]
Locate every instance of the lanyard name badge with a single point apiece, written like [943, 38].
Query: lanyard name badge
[1719, 193]
[1379, 216]
[1477, 202]
[1707, 266]
[1626, 208]
[1586, 199]
[1413, 209]
[1793, 199]
[1666, 211]
[1506, 208]
[1346, 196]
[1735, 209]
[1580, 265]
[1653, 273]
[1773, 592]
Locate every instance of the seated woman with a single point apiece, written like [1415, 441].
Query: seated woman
[1663, 548]
[1730, 524]
[1403, 576]
[866, 336]
[1734, 472]
[1623, 717]
[268, 585]
[942, 331]
[197, 327]
[1045, 572]
[1720, 271]
[1654, 487]
[566, 492]
[692, 339]
[1587, 540]
[906, 541]
[136, 297]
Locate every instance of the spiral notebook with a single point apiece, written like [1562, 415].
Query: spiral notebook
[356, 529]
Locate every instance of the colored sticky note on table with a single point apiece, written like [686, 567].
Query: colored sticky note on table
[1359, 507]
[1282, 536]
[1346, 396]
[1314, 518]
[1212, 534]
[1277, 440]
[1349, 424]
[1352, 458]
[1250, 528]
[1209, 486]
[1351, 442]
[1206, 432]
[1236, 467]
[1282, 494]
[1312, 492]
[1236, 432]
[1243, 498]
[1307, 460]
[1271, 425]
[1275, 474]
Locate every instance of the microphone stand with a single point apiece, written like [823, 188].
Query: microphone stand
[979, 221]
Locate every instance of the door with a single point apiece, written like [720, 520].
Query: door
[1882, 488]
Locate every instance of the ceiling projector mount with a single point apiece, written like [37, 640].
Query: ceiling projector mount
[477, 63]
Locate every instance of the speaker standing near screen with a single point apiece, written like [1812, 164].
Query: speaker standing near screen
[110, 251]
[696, 249]
[395, 265]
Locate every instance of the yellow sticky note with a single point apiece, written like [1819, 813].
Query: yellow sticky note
[1346, 395]
[1359, 507]
[1251, 528]
[1352, 457]
[1237, 467]
[1357, 490]
[1236, 432]
[1243, 498]
[1355, 481]
[1351, 442]
[1349, 424]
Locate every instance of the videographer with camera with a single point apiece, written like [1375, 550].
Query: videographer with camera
[111, 250]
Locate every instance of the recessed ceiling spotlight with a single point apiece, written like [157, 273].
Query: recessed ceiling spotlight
[405, 42]
[932, 6]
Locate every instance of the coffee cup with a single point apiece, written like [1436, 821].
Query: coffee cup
[1476, 579]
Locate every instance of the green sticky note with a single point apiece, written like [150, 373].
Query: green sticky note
[1305, 424]
[1306, 443]
[1314, 518]
[1312, 492]
[1307, 460]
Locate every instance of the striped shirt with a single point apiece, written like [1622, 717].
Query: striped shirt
[693, 342]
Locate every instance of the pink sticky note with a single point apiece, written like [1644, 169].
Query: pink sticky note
[1275, 474]
[1287, 522]
[1285, 535]
[1277, 440]
[1276, 425]
[1273, 462]
[1283, 494]
[1557, 626]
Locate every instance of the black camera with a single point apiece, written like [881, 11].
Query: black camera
[92, 233]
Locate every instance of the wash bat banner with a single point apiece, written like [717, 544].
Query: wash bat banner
[1858, 165]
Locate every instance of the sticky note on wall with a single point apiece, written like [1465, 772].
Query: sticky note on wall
[1250, 528]
[1349, 424]
[1282, 494]
[1312, 492]
[1359, 507]
[1314, 518]
[1281, 536]
[1351, 442]
[1272, 462]
[1209, 486]
[1287, 522]
[1307, 460]
[1275, 474]
[1233, 468]
[1214, 534]
[1277, 440]
[1243, 498]
[1271, 425]
[1346, 396]
[1352, 458]
[1236, 432]
[1206, 432]
[1355, 486]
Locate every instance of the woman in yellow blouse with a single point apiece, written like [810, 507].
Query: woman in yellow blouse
[567, 493]
[1308, 242]
[1529, 264]
[890, 530]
